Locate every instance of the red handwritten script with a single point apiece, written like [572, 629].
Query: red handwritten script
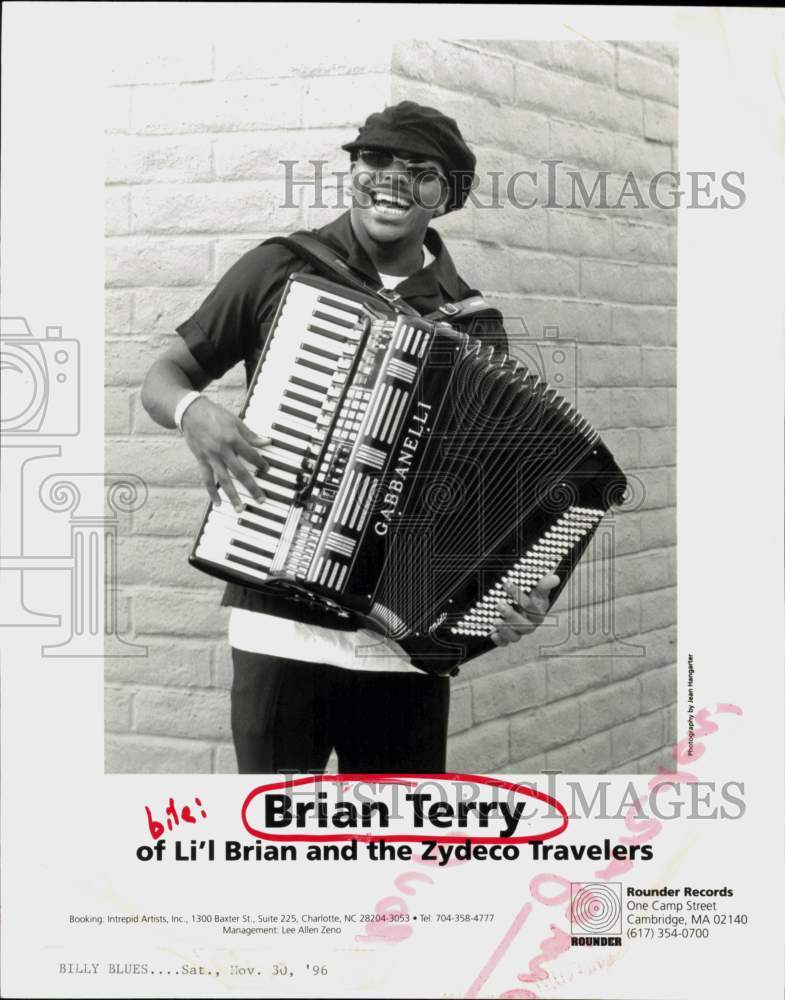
[408, 781]
[172, 817]
[388, 925]
[641, 830]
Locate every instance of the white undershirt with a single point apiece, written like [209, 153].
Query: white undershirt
[361, 650]
[257, 632]
[391, 281]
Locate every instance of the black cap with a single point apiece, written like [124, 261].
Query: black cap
[416, 130]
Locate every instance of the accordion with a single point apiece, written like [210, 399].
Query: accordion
[413, 471]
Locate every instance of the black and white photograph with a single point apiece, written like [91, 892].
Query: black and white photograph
[465, 564]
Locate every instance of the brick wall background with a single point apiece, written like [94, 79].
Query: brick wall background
[194, 139]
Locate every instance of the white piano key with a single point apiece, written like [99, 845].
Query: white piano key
[217, 544]
[273, 472]
[290, 423]
[315, 400]
[288, 492]
[329, 320]
[351, 334]
[310, 374]
[309, 435]
[267, 506]
[315, 339]
[303, 320]
[268, 509]
[219, 559]
[222, 529]
[262, 520]
[281, 455]
[300, 411]
[246, 497]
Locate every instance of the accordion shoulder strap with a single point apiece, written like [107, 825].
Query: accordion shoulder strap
[471, 306]
[328, 263]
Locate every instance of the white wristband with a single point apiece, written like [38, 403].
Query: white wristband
[182, 406]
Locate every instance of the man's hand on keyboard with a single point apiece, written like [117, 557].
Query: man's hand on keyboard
[222, 445]
[523, 612]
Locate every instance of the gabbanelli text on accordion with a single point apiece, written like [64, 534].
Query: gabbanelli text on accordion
[413, 471]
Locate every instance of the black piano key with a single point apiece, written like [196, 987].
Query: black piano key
[231, 557]
[263, 478]
[305, 384]
[320, 352]
[336, 321]
[286, 446]
[300, 414]
[320, 330]
[292, 432]
[299, 398]
[247, 547]
[337, 304]
[253, 509]
[272, 495]
[306, 363]
[276, 463]
[258, 527]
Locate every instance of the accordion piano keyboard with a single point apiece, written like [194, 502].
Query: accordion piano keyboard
[290, 401]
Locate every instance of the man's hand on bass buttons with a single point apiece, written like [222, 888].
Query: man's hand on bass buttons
[523, 612]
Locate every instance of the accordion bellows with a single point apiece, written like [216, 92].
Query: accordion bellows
[413, 471]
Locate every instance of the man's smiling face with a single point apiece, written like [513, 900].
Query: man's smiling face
[395, 196]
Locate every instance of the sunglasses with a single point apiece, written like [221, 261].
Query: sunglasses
[383, 159]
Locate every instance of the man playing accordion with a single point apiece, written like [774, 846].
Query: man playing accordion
[308, 681]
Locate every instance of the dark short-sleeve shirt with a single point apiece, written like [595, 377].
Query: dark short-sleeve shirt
[234, 321]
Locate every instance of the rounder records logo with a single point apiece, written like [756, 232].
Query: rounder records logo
[595, 913]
